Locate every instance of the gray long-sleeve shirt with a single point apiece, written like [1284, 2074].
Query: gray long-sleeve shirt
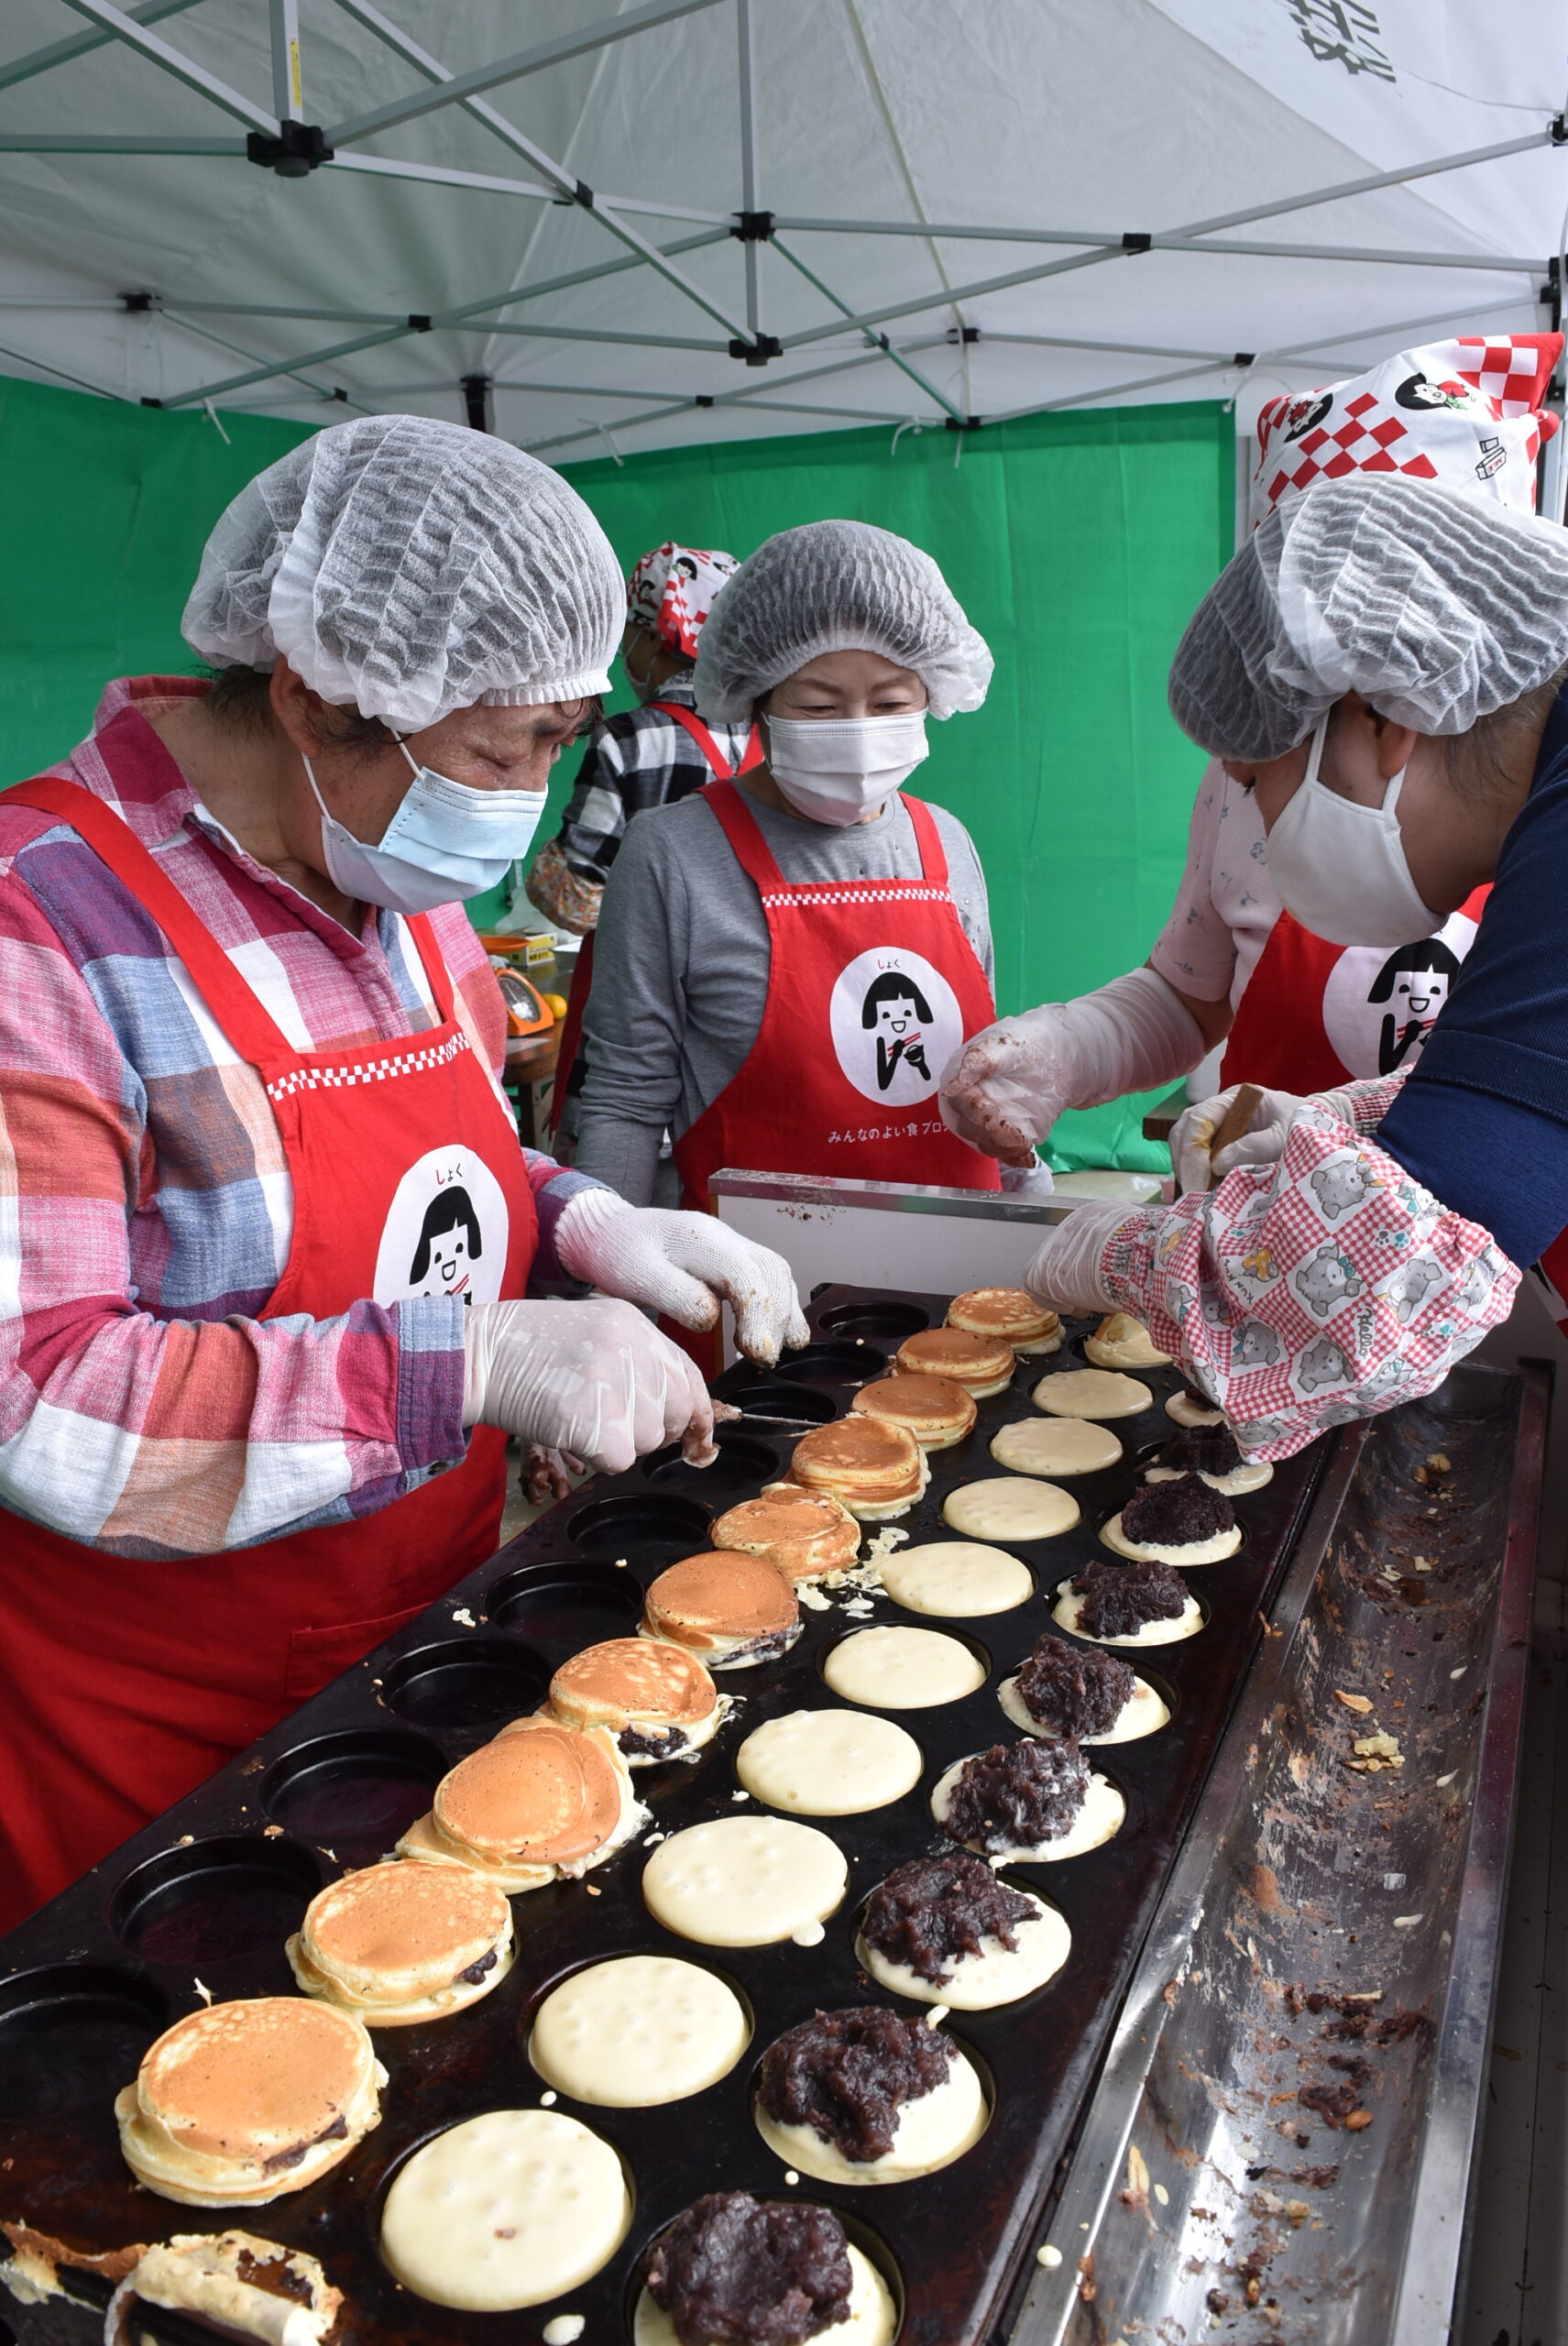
[681, 963]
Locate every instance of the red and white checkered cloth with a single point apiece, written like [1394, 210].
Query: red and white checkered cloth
[1304, 1294]
[1467, 412]
[672, 591]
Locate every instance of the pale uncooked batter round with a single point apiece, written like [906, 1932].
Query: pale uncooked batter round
[638, 2030]
[931, 2133]
[1250, 1475]
[871, 2321]
[1167, 1552]
[1143, 1713]
[1165, 1632]
[1101, 1817]
[1055, 1446]
[828, 1763]
[1092, 1393]
[505, 2210]
[954, 1581]
[996, 1974]
[1189, 1413]
[1122, 1342]
[902, 1669]
[1011, 1507]
[744, 1881]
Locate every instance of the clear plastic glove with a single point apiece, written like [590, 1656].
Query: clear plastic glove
[1263, 1143]
[1035, 1179]
[1063, 1273]
[547, 1474]
[1004, 1089]
[594, 1379]
[682, 1263]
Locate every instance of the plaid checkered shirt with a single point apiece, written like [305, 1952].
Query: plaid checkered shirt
[145, 1206]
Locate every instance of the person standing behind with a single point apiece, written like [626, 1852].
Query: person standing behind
[647, 756]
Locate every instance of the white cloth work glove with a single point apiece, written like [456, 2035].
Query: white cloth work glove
[1263, 1143]
[1006, 1087]
[594, 1379]
[682, 1264]
[1063, 1273]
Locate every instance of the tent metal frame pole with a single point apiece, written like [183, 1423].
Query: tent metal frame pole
[174, 61]
[288, 78]
[111, 142]
[457, 87]
[742, 393]
[745, 42]
[453, 89]
[60, 52]
[209, 333]
[879, 342]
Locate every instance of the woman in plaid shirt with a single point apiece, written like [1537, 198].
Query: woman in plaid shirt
[265, 1226]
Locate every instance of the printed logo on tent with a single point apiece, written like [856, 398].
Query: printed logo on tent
[1418, 391]
[445, 1231]
[1379, 1008]
[896, 1023]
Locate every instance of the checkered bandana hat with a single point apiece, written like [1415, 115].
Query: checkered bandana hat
[672, 591]
[1467, 412]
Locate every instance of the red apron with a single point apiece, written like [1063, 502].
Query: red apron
[871, 986]
[1310, 1008]
[127, 1680]
[583, 975]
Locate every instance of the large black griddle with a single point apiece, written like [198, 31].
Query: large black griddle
[209, 1891]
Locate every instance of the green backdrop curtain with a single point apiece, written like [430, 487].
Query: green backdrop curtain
[1079, 544]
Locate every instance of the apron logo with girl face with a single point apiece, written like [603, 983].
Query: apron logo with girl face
[896, 1023]
[445, 1231]
[1379, 1008]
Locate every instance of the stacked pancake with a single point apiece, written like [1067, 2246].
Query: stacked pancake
[806, 1534]
[540, 1800]
[873, 1467]
[981, 1364]
[1010, 1312]
[656, 1699]
[398, 1944]
[732, 1609]
[238, 2103]
[938, 1411]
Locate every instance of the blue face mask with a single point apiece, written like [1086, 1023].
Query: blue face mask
[446, 840]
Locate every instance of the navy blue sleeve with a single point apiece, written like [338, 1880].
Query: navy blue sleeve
[1483, 1121]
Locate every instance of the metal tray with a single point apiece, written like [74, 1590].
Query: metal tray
[210, 1891]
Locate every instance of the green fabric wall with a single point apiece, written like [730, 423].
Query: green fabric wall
[1079, 545]
[107, 508]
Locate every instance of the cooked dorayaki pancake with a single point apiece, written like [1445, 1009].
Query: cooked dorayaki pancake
[1010, 1312]
[656, 1699]
[730, 1608]
[806, 1534]
[396, 1944]
[936, 1411]
[238, 2103]
[539, 1799]
[981, 1364]
[874, 1467]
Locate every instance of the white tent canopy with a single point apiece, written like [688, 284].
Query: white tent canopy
[968, 208]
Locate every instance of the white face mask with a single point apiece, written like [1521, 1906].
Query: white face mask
[447, 840]
[837, 769]
[1341, 867]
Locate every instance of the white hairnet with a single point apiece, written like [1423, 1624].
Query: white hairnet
[1435, 605]
[836, 587]
[407, 567]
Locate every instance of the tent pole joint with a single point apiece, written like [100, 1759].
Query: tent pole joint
[580, 193]
[299, 149]
[419, 321]
[1135, 241]
[965, 423]
[757, 353]
[956, 336]
[135, 303]
[753, 228]
[1560, 130]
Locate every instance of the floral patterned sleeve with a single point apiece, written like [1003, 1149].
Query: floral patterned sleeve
[1304, 1294]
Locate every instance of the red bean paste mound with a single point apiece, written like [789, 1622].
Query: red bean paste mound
[734, 2271]
[847, 2074]
[927, 1916]
[1017, 1795]
[1120, 1599]
[1202, 1449]
[1177, 1514]
[1072, 1690]
[1199, 1400]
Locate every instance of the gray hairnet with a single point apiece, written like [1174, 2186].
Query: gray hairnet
[1436, 606]
[836, 587]
[407, 567]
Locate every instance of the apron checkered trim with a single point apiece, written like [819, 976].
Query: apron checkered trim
[903, 892]
[332, 1079]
